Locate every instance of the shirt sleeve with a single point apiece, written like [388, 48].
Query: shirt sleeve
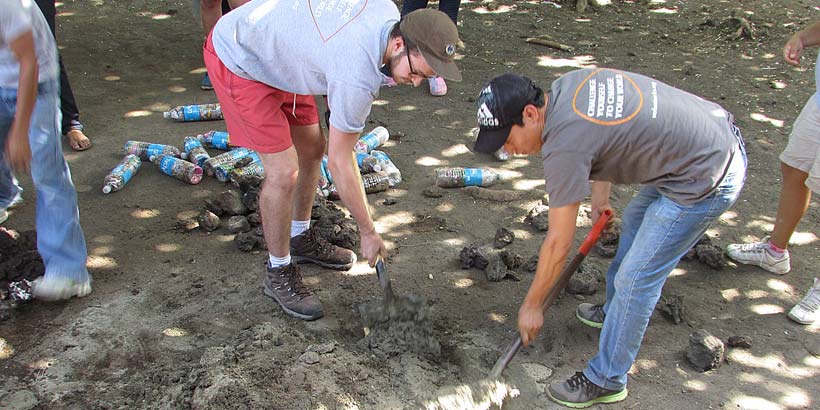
[567, 178]
[15, 20]
[349, 106]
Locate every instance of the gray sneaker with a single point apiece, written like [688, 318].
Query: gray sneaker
[578, 392]
[591, 315]
[285, 286]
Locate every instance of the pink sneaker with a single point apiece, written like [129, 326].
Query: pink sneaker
[437, 86]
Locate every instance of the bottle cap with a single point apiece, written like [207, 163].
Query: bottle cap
[106, 189]
[166, 114]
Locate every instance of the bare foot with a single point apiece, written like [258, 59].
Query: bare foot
[78, 140]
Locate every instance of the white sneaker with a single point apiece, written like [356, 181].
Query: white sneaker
[808, 310]
[59, 288]
[758, 254]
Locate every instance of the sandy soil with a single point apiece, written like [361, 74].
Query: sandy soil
[177, 319]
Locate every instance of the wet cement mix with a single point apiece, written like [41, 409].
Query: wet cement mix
[399, 326]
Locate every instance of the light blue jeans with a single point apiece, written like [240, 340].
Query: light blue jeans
[656, 233]
[60, 238]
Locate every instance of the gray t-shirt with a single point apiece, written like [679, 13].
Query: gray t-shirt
[319, 47]
[16, 18]
[625, 128]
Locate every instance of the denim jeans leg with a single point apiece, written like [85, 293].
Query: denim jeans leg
[667, 231]
[630, 222]
[9, 187]
[60, 238]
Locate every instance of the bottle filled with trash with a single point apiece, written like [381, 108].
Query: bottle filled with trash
[457, 177]
[386, 165]
[325, 170]
[252, 170]
[197, 112]
[179, 168]
[229, 157]
[372, 140]
[195, 152]
[217, 139]
[373, 182]
[121, 174]
[146, 150]
[367, 163]
[222, 172]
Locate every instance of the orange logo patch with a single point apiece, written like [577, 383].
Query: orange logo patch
[601, 97]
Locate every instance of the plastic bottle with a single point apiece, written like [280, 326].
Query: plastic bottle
[121, 174]
[366, 162]
[222, 172]
[254, 169]
[229, 157]
[179, 168]
[195, 152]
[146, 150]
[461, 177]
[372, 182]
[217, 139]
[325, 170]
[372, 140]
[200, 112]
[386, 165]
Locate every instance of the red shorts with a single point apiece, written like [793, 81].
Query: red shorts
[257, 115]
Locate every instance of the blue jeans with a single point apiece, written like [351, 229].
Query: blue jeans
[60, 238]
[656, 233]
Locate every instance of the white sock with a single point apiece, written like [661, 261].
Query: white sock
[298, 227]
[276, 262]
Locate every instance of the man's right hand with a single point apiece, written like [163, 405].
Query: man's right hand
[373, 247]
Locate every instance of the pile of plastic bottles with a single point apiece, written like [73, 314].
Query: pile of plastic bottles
[378, 171]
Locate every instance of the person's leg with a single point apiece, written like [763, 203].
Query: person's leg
[594, 315]
[71, 126]
[306, 245]
[9, 189]
[667, 232]
[450, 8]
[796, 162]
[792, 205]
[60, 238]
[412, 5]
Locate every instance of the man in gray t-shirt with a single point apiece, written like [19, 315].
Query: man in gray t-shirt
[266, 60]
[609, 126]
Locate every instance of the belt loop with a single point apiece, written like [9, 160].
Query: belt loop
[293, 111]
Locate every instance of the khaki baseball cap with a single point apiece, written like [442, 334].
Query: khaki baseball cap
[436, 37]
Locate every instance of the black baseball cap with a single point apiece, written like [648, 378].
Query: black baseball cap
[500, 106]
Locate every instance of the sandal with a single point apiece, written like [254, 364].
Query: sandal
[77, 140]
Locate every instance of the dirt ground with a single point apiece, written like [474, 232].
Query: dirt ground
[177, 319]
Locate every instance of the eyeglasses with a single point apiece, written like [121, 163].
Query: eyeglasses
[412, 71]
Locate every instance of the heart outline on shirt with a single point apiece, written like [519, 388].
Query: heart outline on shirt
[319, 29]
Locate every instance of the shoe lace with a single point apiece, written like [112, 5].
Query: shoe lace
[579, 381]
[598, 312]
[756, 247]
[293, 283]
[324, 247]
[812, 299]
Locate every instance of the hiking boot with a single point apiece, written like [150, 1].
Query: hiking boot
[578, 392]
[591, 315]
[808, 310]
[285, 286]
[758, 254]
[310, 247]
[53, 289]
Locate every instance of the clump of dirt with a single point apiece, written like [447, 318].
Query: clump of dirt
[538, 217]
[20, 263]
[707, 253]
[402, 325]
[607, 243]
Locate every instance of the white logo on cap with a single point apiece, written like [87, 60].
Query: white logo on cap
[485, 117]
[450, 49]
